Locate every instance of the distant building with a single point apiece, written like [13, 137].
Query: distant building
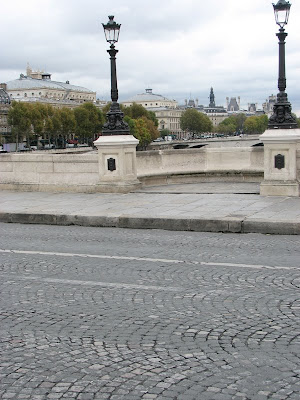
[169, 118]
[166, 110]
[252, 107]
[150, 100]
[216, 114]
[269, 104]
[233, 105]
[5, 129]
[38, 86]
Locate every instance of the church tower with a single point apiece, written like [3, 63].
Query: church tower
[212, 98]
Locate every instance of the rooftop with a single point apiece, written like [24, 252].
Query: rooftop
[147, 96]
[26, 82]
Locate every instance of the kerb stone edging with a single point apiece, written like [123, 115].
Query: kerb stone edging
[225, 225]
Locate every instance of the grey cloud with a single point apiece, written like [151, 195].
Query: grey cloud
[174, 46]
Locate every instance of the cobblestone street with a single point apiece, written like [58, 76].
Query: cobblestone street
[112, 314]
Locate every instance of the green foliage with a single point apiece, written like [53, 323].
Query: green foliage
[142, 133]
[152, 128]
[152, 117]
[36, 120]
[58, 125]
[227, 129]
[297, 119]
[256, 124]
[142, 129]
[142, 123]
[89, 121]
[195, 122]
[241, 123]
[232, 124]
[19, 117]
[136, 111]
[67, 122]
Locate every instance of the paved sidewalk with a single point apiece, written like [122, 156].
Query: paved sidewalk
[206, 207]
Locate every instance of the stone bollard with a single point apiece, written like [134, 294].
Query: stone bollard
[117, 163]
[281, 173]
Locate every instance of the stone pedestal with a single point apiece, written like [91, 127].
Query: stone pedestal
[117, 163]
[281, 173]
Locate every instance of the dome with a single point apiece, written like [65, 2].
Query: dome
[28, 83]
[147, 96]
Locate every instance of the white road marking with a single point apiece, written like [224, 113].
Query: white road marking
[101, 284]
[154, 260]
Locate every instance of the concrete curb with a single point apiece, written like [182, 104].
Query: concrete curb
[225, 225]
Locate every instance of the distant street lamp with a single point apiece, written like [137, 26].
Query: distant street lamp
[115, 124]
[282, 117]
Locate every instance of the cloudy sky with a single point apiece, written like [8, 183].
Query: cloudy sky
[178, 48]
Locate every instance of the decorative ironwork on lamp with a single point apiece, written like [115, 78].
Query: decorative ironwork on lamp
[282, 117]
[115, 124]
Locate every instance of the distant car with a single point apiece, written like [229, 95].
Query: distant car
[160, 139]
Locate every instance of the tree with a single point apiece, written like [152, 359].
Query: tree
[195, 122]
[256, 124]
[39, 116]
[64, 125]
[89, 121]
[142, 123]
[142, 133]
[234, 123]
[140, 128]
[152, 117]
[67, 120]
[152, 128]
[136, 111]
[20, 119]
[239, 121]
[227, 128]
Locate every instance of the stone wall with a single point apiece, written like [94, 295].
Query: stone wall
[80, 172]
[170, 166]
[49, 172]
[298, 164]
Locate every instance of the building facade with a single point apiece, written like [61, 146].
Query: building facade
[150, 100]
[166, 110]
[38, 86]
[5, 128]
[233, 105]
[170, 119]
[269, 104]
[216, 114]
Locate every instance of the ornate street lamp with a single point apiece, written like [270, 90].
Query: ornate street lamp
[282, 117]
[115, 124]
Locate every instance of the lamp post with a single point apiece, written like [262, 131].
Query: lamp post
[115, 124]
[282, 117]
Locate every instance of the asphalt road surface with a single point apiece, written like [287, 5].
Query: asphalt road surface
[92, 313]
